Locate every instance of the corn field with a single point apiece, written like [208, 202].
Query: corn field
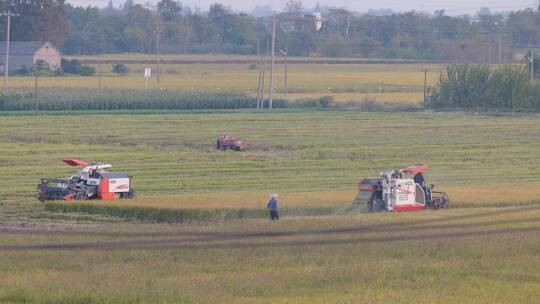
[86, 99]
[481, 87]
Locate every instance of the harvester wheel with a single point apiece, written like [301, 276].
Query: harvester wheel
[444, 200]
[130, 194]
[81, 196]
[435, 203]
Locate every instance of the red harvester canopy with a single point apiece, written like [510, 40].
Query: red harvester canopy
[415, 169]
[76, 162]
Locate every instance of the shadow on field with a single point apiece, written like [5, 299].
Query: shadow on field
[174, 243]
[359, 228]
[425, 230]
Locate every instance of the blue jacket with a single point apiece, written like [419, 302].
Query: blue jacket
[272, 204]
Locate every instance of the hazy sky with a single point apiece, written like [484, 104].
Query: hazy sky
[453, 7]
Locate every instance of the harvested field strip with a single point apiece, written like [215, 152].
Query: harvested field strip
[419, 230]
[189, 245]
[485, 217]
[489, 255]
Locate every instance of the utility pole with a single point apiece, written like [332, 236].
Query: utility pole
[348, 26]
[500, 46]
[99, 76]
[263, 81]
[425, 70]
[157, 32]
[272, 64]
[9, 14]
[259, 60]
[286, 54]
[35, 83]
[531, 60]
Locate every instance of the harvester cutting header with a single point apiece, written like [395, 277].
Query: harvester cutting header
[400, 190]
[90, 182]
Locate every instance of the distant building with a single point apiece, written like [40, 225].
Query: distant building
[24, 54]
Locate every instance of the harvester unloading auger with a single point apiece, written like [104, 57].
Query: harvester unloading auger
[398, 191]
[90, 182]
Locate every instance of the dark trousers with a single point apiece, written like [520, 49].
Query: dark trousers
[274, 215]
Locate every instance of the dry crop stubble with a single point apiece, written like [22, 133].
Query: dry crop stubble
[434, 266]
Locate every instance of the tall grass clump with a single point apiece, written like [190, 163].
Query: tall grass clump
[482, 87]
[178, 215]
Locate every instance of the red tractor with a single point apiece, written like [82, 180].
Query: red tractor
[227, 142]
[90, 182]
[398, 191]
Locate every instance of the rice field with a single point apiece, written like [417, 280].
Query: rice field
[484, 249]
[289, 151]
[345, 82]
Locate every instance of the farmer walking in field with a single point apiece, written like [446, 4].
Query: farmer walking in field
[273, 207]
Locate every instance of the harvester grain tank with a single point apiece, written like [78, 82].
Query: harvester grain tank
[92, 181]
[397, 190]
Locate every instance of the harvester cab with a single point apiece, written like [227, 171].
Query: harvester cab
[397, 190]
[92, 181]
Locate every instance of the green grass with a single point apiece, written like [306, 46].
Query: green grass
[287, 151]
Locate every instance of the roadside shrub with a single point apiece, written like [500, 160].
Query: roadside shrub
[74, 67]
[40, 68]
[320, 102]
[479, 86]
[120, 69]
[326, 101]
[306, 103]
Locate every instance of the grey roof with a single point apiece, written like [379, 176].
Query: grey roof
[23, 47]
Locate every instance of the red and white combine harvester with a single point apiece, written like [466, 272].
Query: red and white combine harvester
[400, 190]
[90, 182]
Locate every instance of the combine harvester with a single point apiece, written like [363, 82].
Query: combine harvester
[397, 191]
[90, 182]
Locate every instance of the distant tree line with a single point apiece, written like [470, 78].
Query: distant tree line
[181, 30]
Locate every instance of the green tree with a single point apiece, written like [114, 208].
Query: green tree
[37, 20]
[301, 43]
[169, 10]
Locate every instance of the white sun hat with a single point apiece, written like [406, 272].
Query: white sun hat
[273, 195]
